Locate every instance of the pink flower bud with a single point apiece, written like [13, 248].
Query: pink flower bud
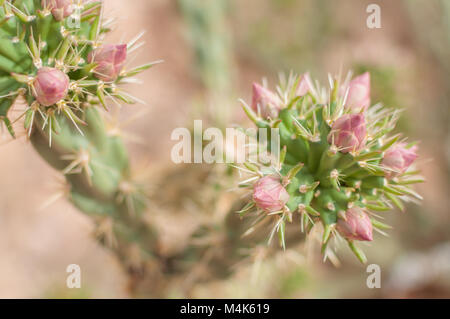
[60, 8]
[356, 225]
[348, 133]
[359, 92]
[398, 159]
[110, 59]
[269, 194]
[50, 86]
[303, 86]
[264, 100]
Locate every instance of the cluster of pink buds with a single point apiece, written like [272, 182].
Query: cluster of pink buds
[339, 163]
[51, 85]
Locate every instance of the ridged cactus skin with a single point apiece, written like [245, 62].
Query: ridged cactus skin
[331, 160]
[39, 48]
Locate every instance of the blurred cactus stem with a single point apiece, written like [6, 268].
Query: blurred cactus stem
[208, 33]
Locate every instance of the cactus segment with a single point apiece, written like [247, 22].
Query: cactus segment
[42, 47]
[333, 156]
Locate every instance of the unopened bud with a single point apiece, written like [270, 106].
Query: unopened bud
[398, 159]
[348, 133]
[50, 86]
[359, 92]
[110, 59]
[356, 225]
[269, 194]
[264, 100]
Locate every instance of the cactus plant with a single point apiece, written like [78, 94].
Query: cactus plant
[53, 55]
[339, 163]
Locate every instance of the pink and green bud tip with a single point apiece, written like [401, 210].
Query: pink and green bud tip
[359, 93]
[348, 133]
[303, 87]
[267, 103]
[60, 9]
[50, 86]
[269, 194]
[398, 159]
[356, 225]
[110, 59]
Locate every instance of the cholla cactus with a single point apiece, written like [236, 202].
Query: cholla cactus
[54, 56]
[338, 162]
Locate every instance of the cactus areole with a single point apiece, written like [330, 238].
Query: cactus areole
[339, 162]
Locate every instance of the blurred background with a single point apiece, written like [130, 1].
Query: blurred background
[212, 51]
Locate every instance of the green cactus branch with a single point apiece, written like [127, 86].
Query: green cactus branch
[42, 56]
